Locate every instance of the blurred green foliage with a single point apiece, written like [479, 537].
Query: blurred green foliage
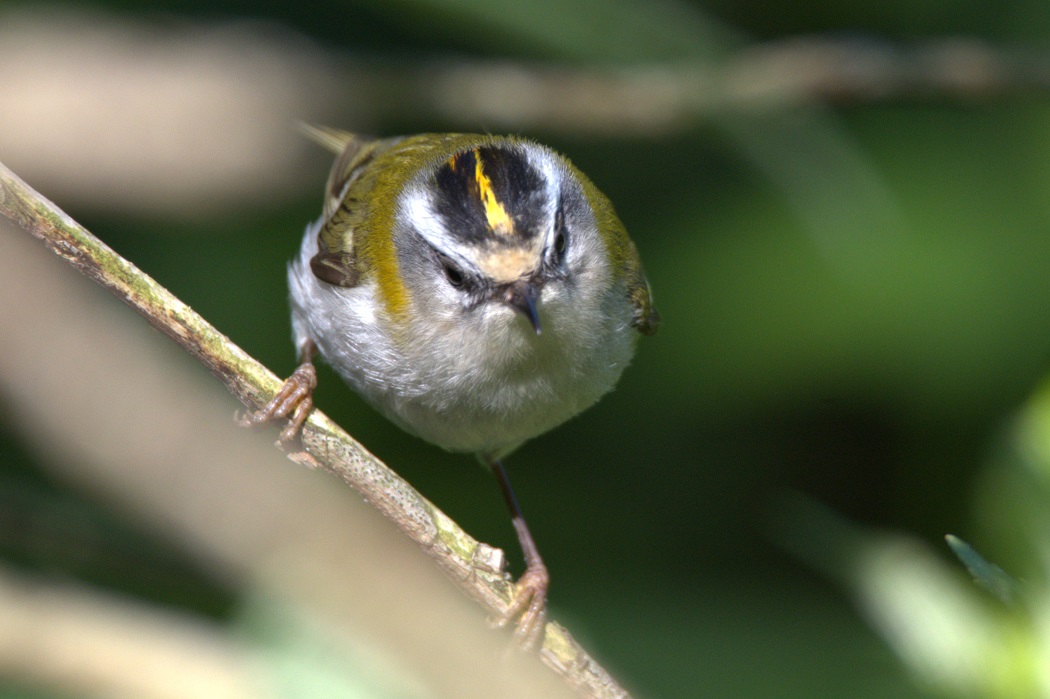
[856, 303]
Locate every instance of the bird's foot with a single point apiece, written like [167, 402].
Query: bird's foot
[293, 401]
[529, 608]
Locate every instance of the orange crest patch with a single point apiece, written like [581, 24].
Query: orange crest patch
[496, 216]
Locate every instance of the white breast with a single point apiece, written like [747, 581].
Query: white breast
[483, 383]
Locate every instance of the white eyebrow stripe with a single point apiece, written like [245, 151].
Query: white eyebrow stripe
[417, 207]
[552, 170]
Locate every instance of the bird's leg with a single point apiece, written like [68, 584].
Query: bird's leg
[294, 400]
[529, 605]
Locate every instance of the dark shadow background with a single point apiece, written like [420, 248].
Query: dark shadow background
[866, 354]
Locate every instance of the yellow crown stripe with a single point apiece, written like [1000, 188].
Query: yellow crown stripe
[496, 216]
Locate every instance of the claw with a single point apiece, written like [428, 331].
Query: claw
[529, 607]
[294, 401]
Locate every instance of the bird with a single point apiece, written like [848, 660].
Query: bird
[477, 290]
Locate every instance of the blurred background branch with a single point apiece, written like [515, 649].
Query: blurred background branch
[146, 90]
[66, 639]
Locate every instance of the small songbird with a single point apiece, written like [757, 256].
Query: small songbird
[477, 290]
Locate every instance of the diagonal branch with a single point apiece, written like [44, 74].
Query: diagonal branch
[475, 567]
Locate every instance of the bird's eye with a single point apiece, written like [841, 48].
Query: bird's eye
[453, 275]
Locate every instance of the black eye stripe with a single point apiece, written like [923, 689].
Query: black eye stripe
[454, 276]
[561, 234]
[457, 276]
